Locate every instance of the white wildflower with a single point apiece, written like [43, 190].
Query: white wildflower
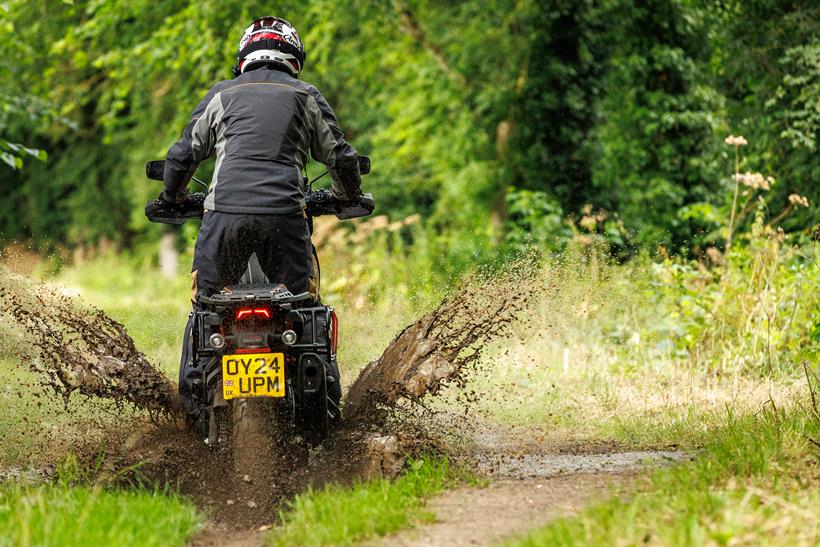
[731, 140]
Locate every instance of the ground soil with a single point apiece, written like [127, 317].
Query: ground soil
[505, 508]
[528, 490]
[522, 492]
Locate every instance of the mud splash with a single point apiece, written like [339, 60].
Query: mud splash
[85, 351]
[440, 347]
[75, 349]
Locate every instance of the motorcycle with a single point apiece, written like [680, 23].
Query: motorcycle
[257, 341]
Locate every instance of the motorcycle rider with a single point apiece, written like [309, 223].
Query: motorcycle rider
[262, 125]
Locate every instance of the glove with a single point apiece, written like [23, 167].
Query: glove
[355, 200]
[173, 200]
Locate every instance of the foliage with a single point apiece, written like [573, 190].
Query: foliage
[340, 515]
[755, 311]
[614, 105]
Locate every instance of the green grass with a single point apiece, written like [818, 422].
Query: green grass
[339, 515]
[756, 481]
[59, 514]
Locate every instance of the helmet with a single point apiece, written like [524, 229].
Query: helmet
[270, 40]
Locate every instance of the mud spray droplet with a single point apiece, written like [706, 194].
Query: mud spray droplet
[440, 347]
[76, 349]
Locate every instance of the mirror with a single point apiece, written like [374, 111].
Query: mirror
[364, 165]
[155, 169]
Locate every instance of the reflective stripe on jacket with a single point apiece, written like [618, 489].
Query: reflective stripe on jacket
[262, 125]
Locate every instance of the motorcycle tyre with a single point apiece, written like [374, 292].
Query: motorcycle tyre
[223, 449]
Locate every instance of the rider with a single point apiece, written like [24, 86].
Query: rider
[262, 125]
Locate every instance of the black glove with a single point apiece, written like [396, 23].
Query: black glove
[355, 200]
[173, 200]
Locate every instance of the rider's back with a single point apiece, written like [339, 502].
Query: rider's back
[262, 126]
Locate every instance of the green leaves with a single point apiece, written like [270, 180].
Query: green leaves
[12, 154]
[615, 104]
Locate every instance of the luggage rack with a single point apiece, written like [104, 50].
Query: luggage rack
[255, 292]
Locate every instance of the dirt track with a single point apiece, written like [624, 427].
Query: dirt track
[524, 496]
[480, 516]
[518, 497]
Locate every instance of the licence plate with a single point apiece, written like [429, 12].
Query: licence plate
[253, 375]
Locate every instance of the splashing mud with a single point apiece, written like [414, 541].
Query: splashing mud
[73, 349]
[440, 347]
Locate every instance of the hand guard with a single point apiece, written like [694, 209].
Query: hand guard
[166, 212]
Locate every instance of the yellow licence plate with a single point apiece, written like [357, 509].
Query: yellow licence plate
[253, 375]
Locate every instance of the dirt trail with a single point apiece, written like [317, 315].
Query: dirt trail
[483, 516]
[527, 491]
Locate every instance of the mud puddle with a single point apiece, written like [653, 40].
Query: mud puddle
[528, 466]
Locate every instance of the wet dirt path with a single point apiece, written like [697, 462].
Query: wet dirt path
[528, 491]
[484, 516]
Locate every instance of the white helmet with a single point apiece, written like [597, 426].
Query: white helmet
[270, 40]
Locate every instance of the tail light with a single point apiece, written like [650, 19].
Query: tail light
[252, 313]
[334, 331]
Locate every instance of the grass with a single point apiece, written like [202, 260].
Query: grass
[39, 429]
[91, 516]
[757, 480]
[607, 353]
[75, 511]
[601, 356]
[339, 515]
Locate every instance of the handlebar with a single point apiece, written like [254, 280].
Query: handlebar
[317, 203]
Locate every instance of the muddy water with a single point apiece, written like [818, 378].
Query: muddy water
[76, 349]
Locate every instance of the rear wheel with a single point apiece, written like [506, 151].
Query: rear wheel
[224, 427]
[312, 418]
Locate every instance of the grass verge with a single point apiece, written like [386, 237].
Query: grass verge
[339, 515]
[756, 481]
[60, 514]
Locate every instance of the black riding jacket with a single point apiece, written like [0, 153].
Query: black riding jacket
[262, 125]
